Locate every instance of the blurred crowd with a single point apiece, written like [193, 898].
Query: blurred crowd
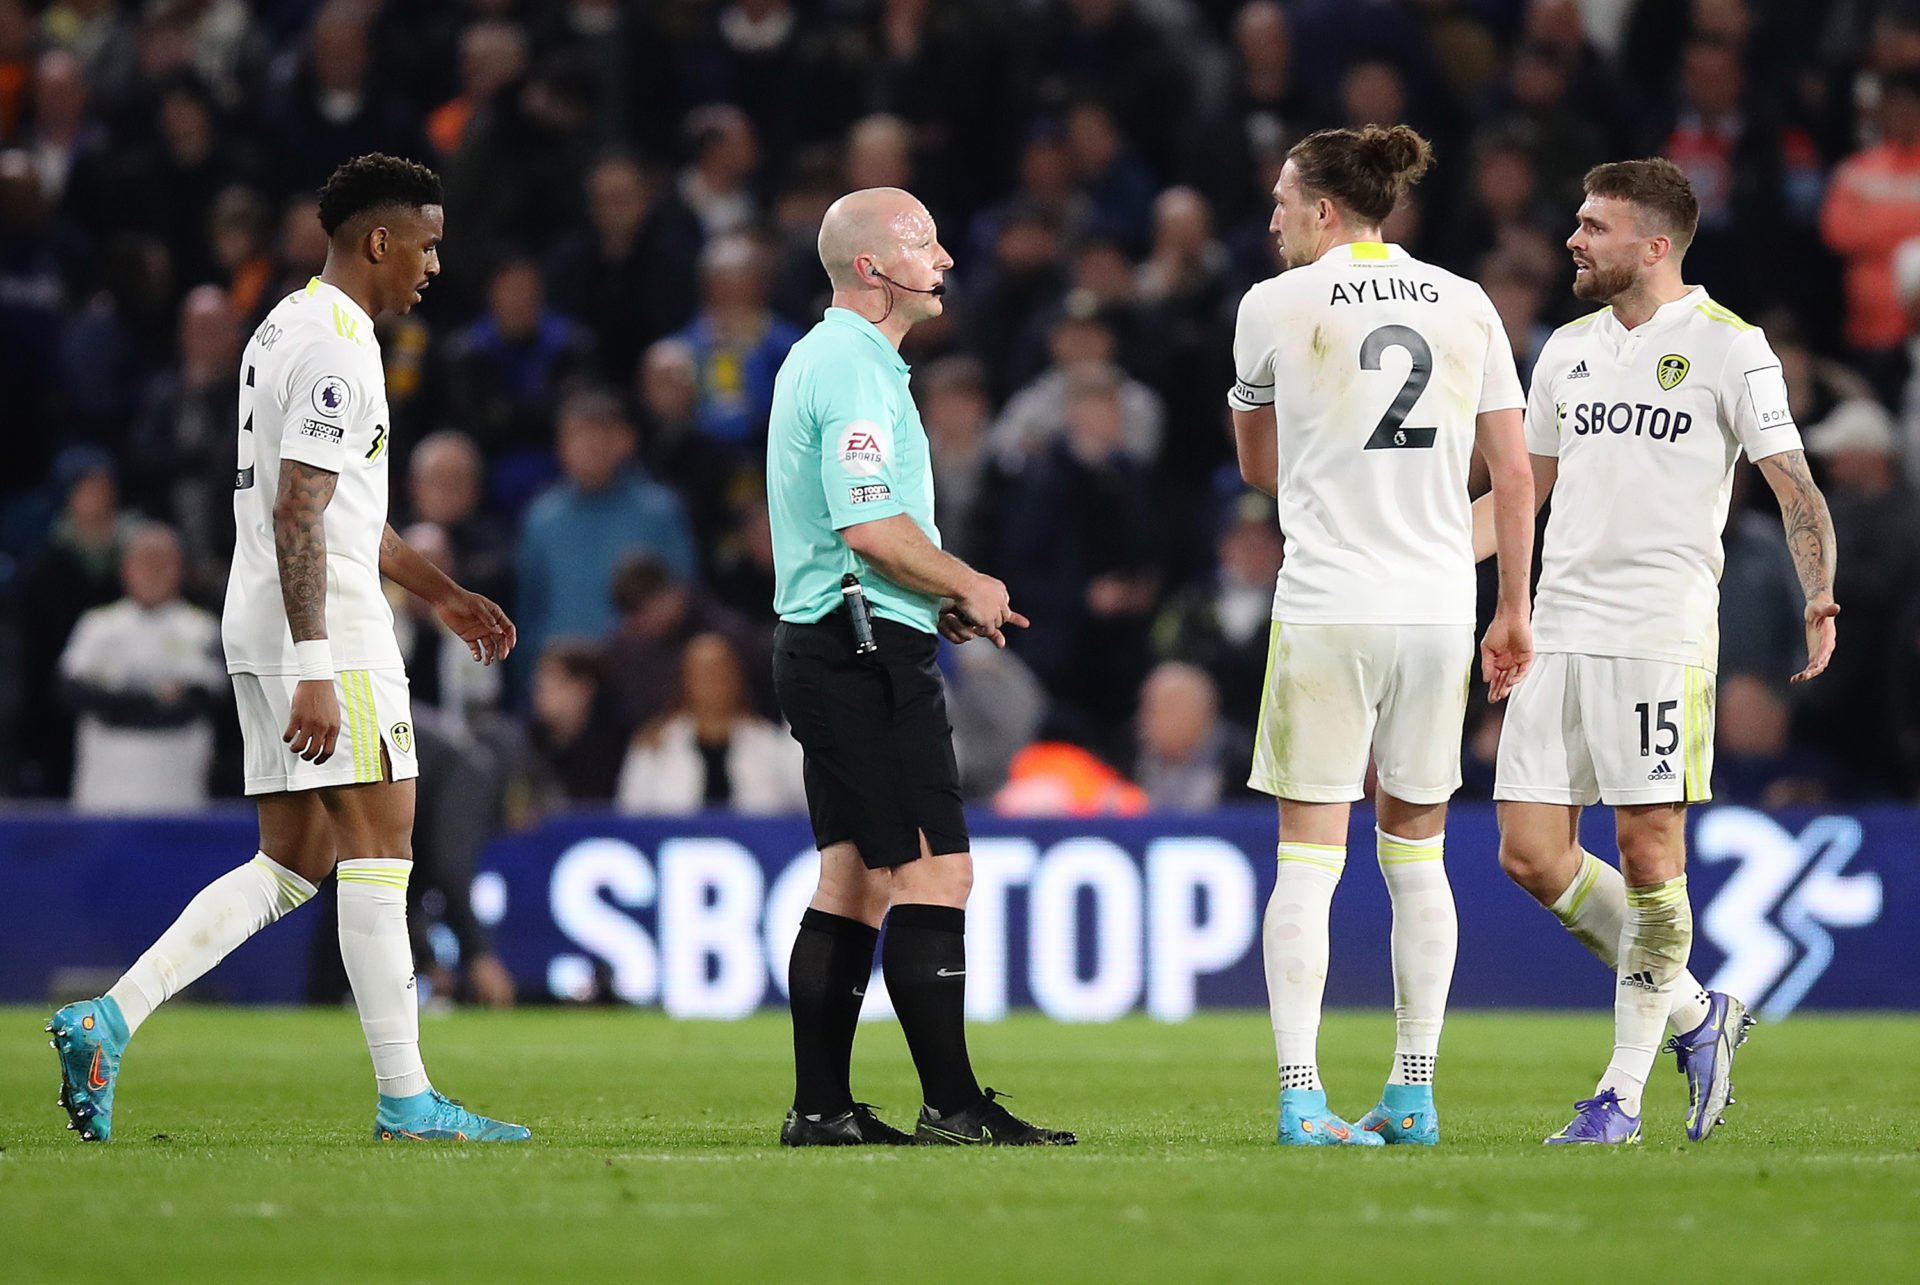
[633, 190]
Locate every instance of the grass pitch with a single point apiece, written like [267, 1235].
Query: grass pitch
[244, 1153]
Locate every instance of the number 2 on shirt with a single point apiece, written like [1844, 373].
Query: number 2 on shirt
[1389, 435]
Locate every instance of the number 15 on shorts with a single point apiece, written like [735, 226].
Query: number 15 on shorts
[1658, 720]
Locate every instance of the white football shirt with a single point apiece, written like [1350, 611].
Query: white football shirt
[1376, 365]
[312, 389]
[1647, 425]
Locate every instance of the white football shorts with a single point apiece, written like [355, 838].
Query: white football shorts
[1607, 729]
[1334, 692]
[374, 710]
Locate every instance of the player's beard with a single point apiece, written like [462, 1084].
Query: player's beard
[1295, 251]
[1603, 283]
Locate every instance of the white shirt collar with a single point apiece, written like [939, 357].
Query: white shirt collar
[1366, 252]
[1666, 312]
[341, 299]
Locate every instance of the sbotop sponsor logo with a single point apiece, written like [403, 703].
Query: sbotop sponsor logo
[1090, 927]
[701, 930]
[1775, 918]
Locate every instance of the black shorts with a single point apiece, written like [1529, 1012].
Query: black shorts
[879, 769]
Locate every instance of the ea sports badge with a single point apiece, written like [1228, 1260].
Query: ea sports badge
[1671, 370]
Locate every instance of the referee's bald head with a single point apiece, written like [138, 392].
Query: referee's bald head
[876, 222]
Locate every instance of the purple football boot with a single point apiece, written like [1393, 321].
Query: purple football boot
[1705, 1055]
[1601, 1122]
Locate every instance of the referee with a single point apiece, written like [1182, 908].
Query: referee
[861, 586]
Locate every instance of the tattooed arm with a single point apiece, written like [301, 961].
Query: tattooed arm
[477, 619]
[300, 545]
[1803, 510]
[300, 548]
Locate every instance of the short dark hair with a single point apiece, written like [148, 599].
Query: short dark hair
[638, 580]
[1905, 81]
[1657, 189]
[596, 405]
[186, 85]
[374, 182]
[1366, 170]
[956, 374]
[578, 658]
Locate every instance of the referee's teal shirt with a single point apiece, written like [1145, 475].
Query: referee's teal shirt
[845, 445]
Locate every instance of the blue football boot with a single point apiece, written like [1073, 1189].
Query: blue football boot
[1705, 1056]
[1405, 1116]
[432, 1117]
[1601, 1122]
[1306, 1122]
[89, 1038]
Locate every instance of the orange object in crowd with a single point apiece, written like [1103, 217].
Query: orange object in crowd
[1873, 204]
[447, 125]
[13, 96]
[1051, 778]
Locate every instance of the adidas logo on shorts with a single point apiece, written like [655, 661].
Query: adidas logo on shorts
[1643, 980]
[1580, 371]
[1661, 772]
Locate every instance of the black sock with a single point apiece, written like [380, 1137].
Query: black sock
[925, 960]
[827, 980]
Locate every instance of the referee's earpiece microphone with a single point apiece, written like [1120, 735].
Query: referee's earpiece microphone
[874, 274]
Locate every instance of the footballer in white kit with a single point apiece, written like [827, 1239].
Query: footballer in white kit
[316, 669]
[312, 391]
[1376, 365]
[1365, 380]
[1636, 418]
[1646, 425]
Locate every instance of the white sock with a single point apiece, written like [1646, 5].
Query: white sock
[222, 915]
[1594, 910]
[379, 958]
[1653, 955]
[1294, 945]
[1426, 937]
